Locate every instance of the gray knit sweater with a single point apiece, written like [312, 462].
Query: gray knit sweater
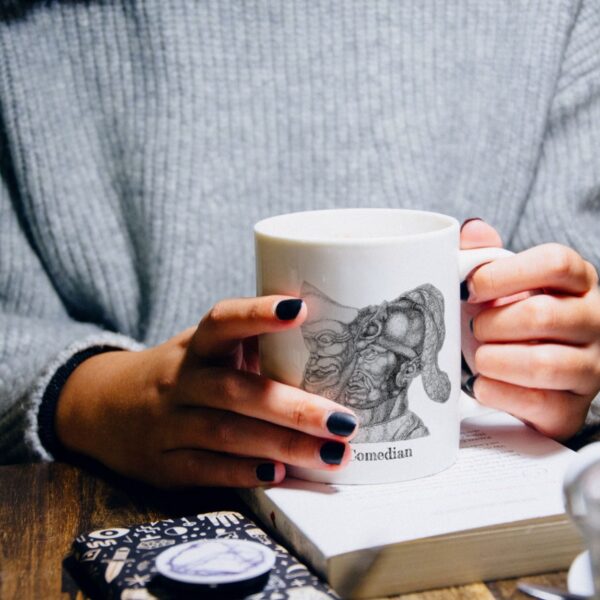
[141, 139]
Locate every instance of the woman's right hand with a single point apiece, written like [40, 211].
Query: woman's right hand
[195, 411]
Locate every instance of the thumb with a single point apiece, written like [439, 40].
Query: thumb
[476, 233]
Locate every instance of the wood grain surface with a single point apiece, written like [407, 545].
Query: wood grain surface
[43, 507]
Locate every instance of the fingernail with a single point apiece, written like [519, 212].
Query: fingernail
[464, 291]
[265, 472]
[469, 220]
[341, 423]
[471, 326]
[286, 310]
[332, 452]
[469, 384]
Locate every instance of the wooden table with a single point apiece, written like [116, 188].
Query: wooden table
[44, 506]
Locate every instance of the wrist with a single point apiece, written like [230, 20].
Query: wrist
[82, 392]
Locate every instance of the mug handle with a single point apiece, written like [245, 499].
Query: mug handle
[585, 458]
[471, 259]
[467, 261]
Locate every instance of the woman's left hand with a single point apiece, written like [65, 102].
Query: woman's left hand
[539, 357]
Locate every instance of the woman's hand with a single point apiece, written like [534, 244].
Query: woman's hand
[539, 357]
[194, 410]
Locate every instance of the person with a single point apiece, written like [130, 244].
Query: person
[139, 142]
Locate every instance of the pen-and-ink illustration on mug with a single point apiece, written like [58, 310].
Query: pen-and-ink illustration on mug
[367, 358]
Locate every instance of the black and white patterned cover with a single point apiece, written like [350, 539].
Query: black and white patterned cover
[119, 563]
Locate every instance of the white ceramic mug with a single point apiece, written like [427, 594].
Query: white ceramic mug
[382, 335]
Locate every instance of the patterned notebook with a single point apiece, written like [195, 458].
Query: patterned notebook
[119, 562]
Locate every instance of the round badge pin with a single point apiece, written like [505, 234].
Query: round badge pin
[217, 565]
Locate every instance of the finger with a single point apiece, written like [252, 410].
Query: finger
[262, 398]
[543, 317]
[232, 433]
[476, 233]
[557, 414]
[549, 266]
[545, 366]
[190, 468]
[230, 321]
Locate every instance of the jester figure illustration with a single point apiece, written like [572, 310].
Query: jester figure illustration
[367, 358]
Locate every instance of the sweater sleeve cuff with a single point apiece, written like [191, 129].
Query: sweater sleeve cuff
[40, 435]
[47, 409]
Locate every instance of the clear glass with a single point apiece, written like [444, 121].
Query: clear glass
[583, 504]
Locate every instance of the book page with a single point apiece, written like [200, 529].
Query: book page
[505, 472]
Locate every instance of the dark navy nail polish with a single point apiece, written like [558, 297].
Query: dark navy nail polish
[469, 384]
[286, 310]
[341, 423]
[469, 220]
[464, 366]
[471, 326]
[332, 452]
[464, 291]
[265, 472]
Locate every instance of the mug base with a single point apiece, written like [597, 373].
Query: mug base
[357, 473]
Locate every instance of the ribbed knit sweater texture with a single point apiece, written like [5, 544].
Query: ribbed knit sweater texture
[141, 139]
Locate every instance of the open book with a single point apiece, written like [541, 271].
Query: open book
[496, 513]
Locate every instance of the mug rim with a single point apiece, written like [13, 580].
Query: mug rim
[261, 228]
